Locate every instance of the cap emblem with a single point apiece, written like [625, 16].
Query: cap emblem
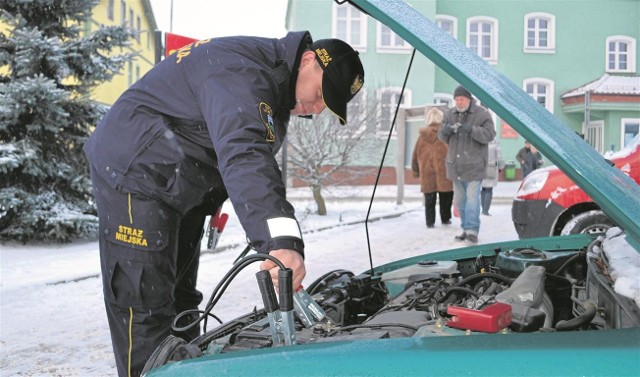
[357, 84]
[324, 56]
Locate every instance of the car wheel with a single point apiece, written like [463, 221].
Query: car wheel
[588, 222]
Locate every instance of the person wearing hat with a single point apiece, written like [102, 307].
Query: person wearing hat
[203, 126]
[468, 129]
[529, 158]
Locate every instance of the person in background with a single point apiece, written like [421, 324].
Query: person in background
[428, 164]
[202, 126]
[495, 164]
[530, 159]
[468, 128]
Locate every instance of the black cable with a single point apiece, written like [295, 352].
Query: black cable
[483, 275]
[228, 278]
[386, 147]
[321, 282]
[569, 261]
[198, 311]
[220, 289]
[457, 289]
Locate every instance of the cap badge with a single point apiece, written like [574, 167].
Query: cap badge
[357, 84]
[324, 56]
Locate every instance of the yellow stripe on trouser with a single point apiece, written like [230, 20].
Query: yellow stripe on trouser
[130, 339]
[130, 215]
[130, 309]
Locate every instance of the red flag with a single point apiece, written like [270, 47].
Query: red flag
[173, 42]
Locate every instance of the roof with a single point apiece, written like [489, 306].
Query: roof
[608, 85]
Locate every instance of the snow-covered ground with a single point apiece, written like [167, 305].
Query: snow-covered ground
[52, 320]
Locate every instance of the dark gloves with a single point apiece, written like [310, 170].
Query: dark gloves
[466, 128]
[451, 128]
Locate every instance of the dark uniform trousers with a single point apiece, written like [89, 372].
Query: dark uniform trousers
[145, 247]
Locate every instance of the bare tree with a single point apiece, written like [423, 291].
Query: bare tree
[320, 147]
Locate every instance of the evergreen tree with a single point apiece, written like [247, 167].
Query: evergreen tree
[47, 69]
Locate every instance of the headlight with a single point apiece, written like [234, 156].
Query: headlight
[533, 183]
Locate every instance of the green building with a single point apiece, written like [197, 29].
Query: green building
[578, 58]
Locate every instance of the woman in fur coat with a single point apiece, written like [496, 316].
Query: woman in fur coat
[428, 163]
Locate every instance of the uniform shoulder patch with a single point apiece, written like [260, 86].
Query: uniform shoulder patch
[266, 115]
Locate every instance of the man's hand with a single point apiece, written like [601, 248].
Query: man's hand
[466, 128]
[291, 259]
[451, 128]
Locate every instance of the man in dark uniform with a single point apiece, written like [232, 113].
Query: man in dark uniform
[202, 126]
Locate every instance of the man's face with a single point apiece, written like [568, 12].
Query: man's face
[309, 87]
[462, 103]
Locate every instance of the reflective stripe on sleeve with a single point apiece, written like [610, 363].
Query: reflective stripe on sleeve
[283, 227]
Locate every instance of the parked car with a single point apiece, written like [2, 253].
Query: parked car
[562, 306]
[548, 203]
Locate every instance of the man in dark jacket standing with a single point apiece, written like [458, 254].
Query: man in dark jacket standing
[529, 158]
[468, 129]
[202, 126]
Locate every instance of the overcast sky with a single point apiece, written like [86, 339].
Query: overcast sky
[206, 18]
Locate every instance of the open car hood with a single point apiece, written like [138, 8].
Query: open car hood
[442, 314]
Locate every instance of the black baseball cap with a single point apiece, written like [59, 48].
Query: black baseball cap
[343, 75]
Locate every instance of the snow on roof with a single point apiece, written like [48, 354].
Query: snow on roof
[607, 84]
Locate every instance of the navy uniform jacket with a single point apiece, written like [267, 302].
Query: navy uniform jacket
[205, 123]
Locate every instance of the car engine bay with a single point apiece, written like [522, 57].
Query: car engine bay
[519, 290]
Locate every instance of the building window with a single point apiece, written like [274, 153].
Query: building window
[123, 13]
[138, 28]
[542, 90]
[110, 10]
[539, 33]
[448, 24]
[482, 37]
[621, 54]
[130, 73]
[630, 128]
[350, 25]
[390, 42]
[443, 99]
[388, 102]
[359, 113]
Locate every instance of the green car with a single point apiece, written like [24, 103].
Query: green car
[552, 306]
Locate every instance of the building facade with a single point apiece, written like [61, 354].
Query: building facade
[578, 59]
[137, 15]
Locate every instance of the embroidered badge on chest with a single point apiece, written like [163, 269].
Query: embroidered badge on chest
[266, 115]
